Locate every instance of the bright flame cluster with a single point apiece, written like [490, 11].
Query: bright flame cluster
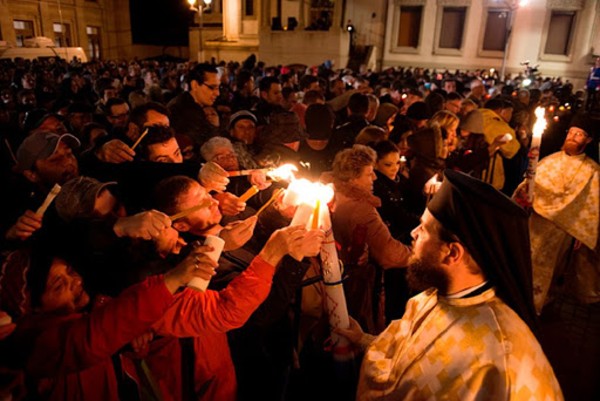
[304, 191]
[540, 122]
[283, 172]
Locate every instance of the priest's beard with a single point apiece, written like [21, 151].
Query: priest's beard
[573, 148]
[424, 273]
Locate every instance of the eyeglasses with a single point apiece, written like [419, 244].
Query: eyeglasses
[224, 157]
[211, 87]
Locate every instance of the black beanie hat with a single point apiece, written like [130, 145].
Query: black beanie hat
[495, 231]
[319, 120]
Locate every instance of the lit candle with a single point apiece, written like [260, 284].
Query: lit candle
[534, 151]
[308, 197]
[283, 172]
[253, 190]
[335, 301]
[239, 173]
[315, 216]
[302, 214]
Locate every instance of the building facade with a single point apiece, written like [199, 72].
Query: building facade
[560, 36]
[100, 27]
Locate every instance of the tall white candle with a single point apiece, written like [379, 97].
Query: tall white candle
[302, 215]
[534, 151]
[337, 310]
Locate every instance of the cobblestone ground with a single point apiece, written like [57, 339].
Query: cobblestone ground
[570, 337]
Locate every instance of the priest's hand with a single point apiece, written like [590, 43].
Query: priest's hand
[353, 333]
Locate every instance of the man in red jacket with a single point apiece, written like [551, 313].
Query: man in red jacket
[65, 352]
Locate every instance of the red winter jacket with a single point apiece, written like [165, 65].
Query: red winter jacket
[69, 356]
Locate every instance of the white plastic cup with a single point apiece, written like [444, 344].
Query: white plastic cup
[217, 243]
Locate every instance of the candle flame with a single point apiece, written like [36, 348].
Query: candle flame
[283, 172]
[540, 122]
[303, 191]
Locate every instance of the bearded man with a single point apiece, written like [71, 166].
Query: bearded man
[565, 220]
[466, 336]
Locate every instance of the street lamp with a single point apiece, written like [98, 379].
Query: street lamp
[512, 5]
[199, 6]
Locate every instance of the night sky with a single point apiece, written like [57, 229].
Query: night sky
[160, 22]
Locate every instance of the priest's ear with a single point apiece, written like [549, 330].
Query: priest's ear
[456, 253]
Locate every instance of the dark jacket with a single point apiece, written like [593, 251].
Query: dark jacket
[188, 118]
[471, 156]
[344, 135]
[394, 210]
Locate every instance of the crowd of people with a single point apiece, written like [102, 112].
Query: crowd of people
[448, 260]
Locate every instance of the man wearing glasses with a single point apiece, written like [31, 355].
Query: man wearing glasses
[187, 109]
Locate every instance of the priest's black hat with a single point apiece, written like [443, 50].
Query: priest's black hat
[495, 231]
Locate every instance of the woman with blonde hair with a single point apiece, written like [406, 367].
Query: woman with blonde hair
[448, 121]
[371, 134]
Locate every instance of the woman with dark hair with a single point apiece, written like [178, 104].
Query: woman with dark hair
[366, 242]
[391, 188]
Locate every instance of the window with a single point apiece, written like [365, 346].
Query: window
[93, 34]
[62, 35]
[451, 31]
[321, 15]
[248, 8]
[560, 32]
[496, 30]
[23, 30]
[409, 27]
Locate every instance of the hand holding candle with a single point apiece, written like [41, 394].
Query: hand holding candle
[431, 187]
[51, 195]
[312, 212]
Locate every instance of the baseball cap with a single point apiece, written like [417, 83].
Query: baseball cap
[77, 197]
[41, 145]
[34, 118]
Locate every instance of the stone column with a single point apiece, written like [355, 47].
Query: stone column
[338, 12]
[232, 19]
[265, 14]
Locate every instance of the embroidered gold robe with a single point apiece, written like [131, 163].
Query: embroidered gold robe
[567, 206]
[457, 349]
